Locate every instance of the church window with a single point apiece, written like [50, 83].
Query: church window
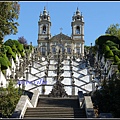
[77, 30]
[44, 29]
[78, 50]
[53, 49]
[43, 44]
[43, 50]
[68, 50]
[77, 44]
[78, 18]
[44, 17]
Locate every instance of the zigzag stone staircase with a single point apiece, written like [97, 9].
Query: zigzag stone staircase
[72, 72]
[52, 107]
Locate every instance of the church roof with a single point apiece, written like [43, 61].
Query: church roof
[61, 36]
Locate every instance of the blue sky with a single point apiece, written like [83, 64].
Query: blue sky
[98, 16]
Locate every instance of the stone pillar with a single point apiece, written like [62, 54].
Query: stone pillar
[75, 48]
[30, 68]
[93, 86]
[23, 85]
[13, 72]
[32, 62]
[82, 31]
[38, 29]
[26, 73]
[51, 47]
[74, 29]
[82, 49]
[73, 87]
[90, 77]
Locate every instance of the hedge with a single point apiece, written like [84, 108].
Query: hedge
[116, 52]
[14, 49]
[113, 48]
[3, 63]
[6, 58]
[109, 54]
[110, 43]
[116, 59]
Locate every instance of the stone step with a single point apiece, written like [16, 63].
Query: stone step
[55, 108]
[55, 117]
[54, 112]
[60, 102]
[57, 113]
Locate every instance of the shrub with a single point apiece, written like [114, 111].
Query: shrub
[116, 52]
[3, 63]
[6, 58]
[3, 49]
[109, 54]
[116, 59]
[14, 49]
[104, 38]
[9, 42]
[118, 63]
[106, 48]
[22, 54]
[20, 47]
[9, 51]
[110, 43]
[113, 48]
[10, 99]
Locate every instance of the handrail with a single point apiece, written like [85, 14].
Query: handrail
[23, 103]
[21, 107]
[86, 102]
[89, 107]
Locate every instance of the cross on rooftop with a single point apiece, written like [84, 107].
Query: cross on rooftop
[61, 29]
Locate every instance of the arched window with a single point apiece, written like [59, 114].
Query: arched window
[43, 50]
[78, 18]
[44, 29]
[53, 49]
[77, 30]
[69, 50]
[78, 50]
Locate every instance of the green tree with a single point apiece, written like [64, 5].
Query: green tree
[108, 98]
[9, 98]
[114, 29]
[9, 13]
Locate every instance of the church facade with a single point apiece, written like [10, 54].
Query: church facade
[72, 45]
[59, 61]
